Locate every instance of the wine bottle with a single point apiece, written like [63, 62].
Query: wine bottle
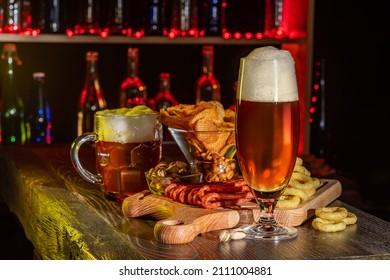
[39, 112]
[13, 127]
[164, 98]
[91, 98]
[132, 90]
[207, 87]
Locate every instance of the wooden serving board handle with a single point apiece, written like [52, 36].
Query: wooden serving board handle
[177, 223]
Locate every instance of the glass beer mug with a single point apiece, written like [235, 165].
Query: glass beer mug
[128, 142]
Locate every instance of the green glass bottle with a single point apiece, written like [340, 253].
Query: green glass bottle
[13, 128]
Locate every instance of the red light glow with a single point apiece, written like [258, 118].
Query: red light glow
[69, 33]
[259, 35]
[237, 35]
[104, 33]
[35, 32]
[227, 35]
[138, 34]
[248, 35]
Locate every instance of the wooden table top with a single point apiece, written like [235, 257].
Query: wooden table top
[66, 217]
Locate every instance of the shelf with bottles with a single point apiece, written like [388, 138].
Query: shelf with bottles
[147, 40]
[267, 22]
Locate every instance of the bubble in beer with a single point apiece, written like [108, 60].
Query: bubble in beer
[267, 74]
[127, 125]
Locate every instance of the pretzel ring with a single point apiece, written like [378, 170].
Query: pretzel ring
[296, 192]
[301, 169]
[317, 182]
[328, 226]
[288, 201]
[310, 191]
[303, 185]
[331, 213]
[299, 161]
[350, 219]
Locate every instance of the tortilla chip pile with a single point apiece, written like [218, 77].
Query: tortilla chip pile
[204, 119]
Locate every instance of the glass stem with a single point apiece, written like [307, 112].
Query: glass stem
[267, 212]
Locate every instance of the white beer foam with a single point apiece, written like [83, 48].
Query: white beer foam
[124, 126]
[267, 74]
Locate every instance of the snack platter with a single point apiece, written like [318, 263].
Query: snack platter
[178, 223]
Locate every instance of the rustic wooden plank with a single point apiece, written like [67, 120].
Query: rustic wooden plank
[68, 218]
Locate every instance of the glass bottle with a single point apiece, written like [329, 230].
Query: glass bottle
[157, 17]
[87, 20]
[184, 18]
[117, 17]
[132, 90]
[12, 16]
[55, 19]
[164, 99]
[13, 127]
[274, 22]
[39, 113]
[39, 16]
[91, 98]
[211, 17]
[207, 86]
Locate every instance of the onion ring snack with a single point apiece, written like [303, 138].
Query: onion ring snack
[331, 213]
[350, 219]
[333, 219]
[288, 201]
[328, 225]
[296, 192]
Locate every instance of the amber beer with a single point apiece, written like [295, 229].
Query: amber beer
[123, 166]
[267, 119]
[268, 134]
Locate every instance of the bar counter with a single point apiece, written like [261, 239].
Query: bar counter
[66, 218]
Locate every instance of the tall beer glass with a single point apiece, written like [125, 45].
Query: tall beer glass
[267, 132]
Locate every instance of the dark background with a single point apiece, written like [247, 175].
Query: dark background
[353, 39]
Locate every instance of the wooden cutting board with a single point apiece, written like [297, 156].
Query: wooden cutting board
[178, 223]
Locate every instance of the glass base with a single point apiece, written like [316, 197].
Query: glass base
[270, 232]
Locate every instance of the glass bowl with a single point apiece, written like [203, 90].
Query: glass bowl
[157, 184]
[210, 152]
[202, 145]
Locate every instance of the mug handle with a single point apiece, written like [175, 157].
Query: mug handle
[74, 156]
